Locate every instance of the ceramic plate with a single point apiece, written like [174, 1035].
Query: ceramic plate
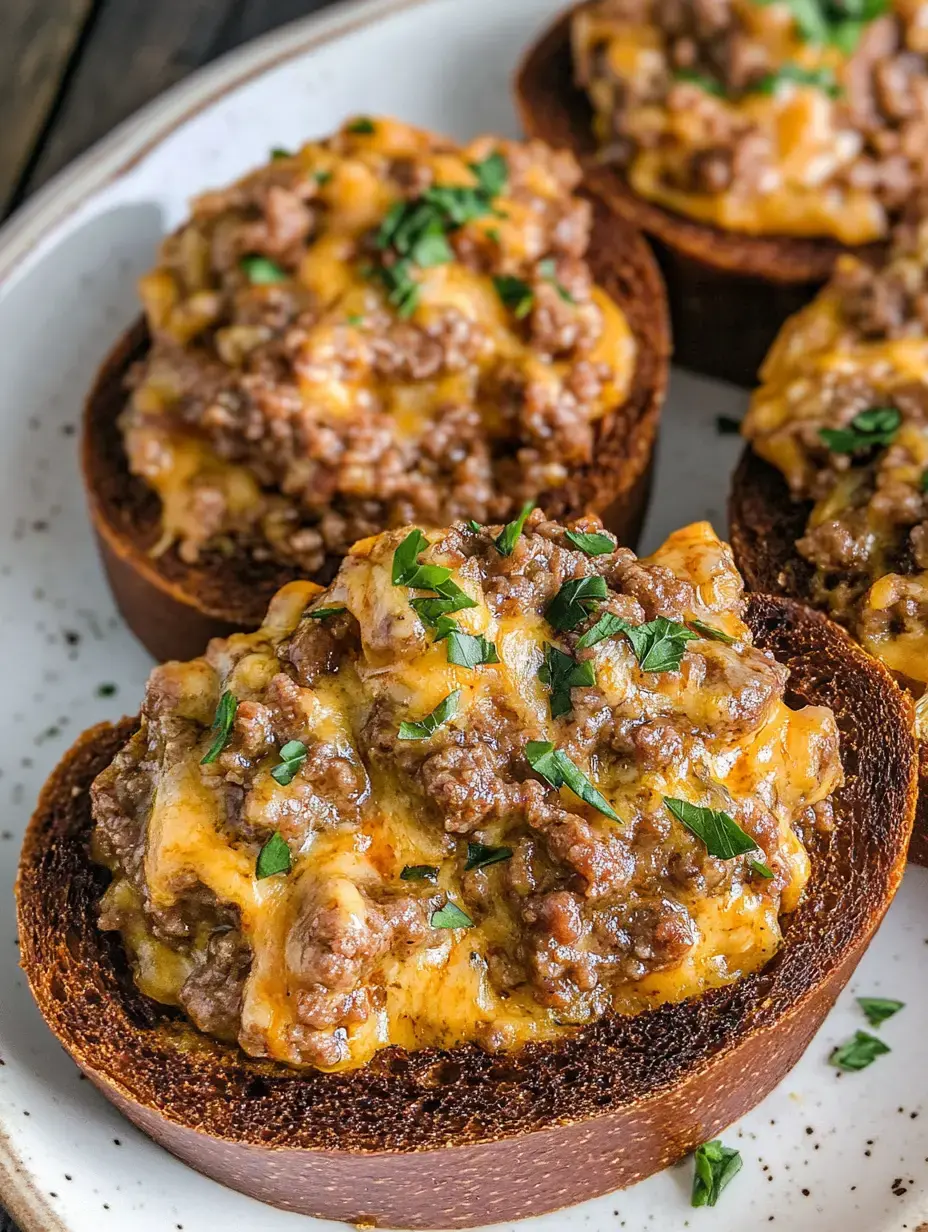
[825, 1150]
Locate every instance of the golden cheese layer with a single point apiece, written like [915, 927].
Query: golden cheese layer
[755, 116]
[298, 384]
[869, 504]
[767, 764]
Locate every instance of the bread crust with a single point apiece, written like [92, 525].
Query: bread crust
[729, 293]
[764, 525]
[460, 1138]
[174, 608]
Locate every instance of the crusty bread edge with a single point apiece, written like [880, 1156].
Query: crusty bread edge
[602, 1100]
[175, 608]
[729, 293]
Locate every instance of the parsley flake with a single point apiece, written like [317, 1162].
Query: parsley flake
[492, 174]
[363, 125]
[450, 916]
[548, 270]
[561, 673]
[858, 1052]
[323, 613]
[480, 856]
[711, 632]
[574, 600]
[419, 872]
[507, 539]
[556, 768]
[720, 833]
[703, 80]
[431, 611]
[425, 727]
[517, 295]
[262, 272]
[607, 626]
[222, 726]
[716, 1165]
[594, 543]
[760, 869]
[660, 644]
[869, 429]
[274, 857]
[292, 756]
[794, 74]
[466, 650]
[278, 152]
[878, 1009]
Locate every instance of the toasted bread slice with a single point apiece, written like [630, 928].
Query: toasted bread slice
[764, 524]
[729, 293]
[461, 1138]
[174, 607]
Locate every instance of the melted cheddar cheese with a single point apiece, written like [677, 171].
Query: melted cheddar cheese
[820, 374]
[747, 118]
[316, 389]
[765, 761]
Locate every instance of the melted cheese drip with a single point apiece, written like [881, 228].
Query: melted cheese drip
[441, 995]
[810, 138]
[356, 197]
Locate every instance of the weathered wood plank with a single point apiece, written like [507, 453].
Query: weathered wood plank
[138, 49]
[37, 40]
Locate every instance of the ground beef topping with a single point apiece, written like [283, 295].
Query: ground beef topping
[842, 411]
[473, 791]
[378, 329]
[763, 117]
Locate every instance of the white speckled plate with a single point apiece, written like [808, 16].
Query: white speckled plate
[825, 1151]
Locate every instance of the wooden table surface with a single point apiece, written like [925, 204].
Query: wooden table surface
[70, 70]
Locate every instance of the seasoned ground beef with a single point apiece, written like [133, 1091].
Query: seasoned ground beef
[433, 802]
[763, 117]
[379, 329]
[843, 412]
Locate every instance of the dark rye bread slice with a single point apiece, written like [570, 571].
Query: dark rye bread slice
[174, 608]
[764, 525]
[729, 293]
[459, 1138]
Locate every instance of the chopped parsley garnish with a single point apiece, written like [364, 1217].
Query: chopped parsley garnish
[479, 856]
[721, 834]
[222, 726]
[660, 644]
[878, 1009]
[508, 537]
[408, 572]
[262, 272]
[561, 673]
[274, 857]
[466, 650]
[795, 74]
[355, 319]
[362, 125]
[402, 289]
[450, 916]
[279, 152]
[492, 233]
[492, 174]
[477, 528]
[548, 270]
[574, 601]
[556, 768]
[419, 872]
[838, 23]
[703, 80]
[424, 728]
[711, 632]
[517, 295]
[594, 543]
[760, 869]
[858, 1052]
[876, 427]
[607, 626]
[716, 1165]
[323, 613]
[322, 177]
[727, 425]
[431, 611]
[415, 229]
[292, 756]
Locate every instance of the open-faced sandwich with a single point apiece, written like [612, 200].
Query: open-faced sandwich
[379, 329]
[506, 850]
[753, 140]
[830, 501]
